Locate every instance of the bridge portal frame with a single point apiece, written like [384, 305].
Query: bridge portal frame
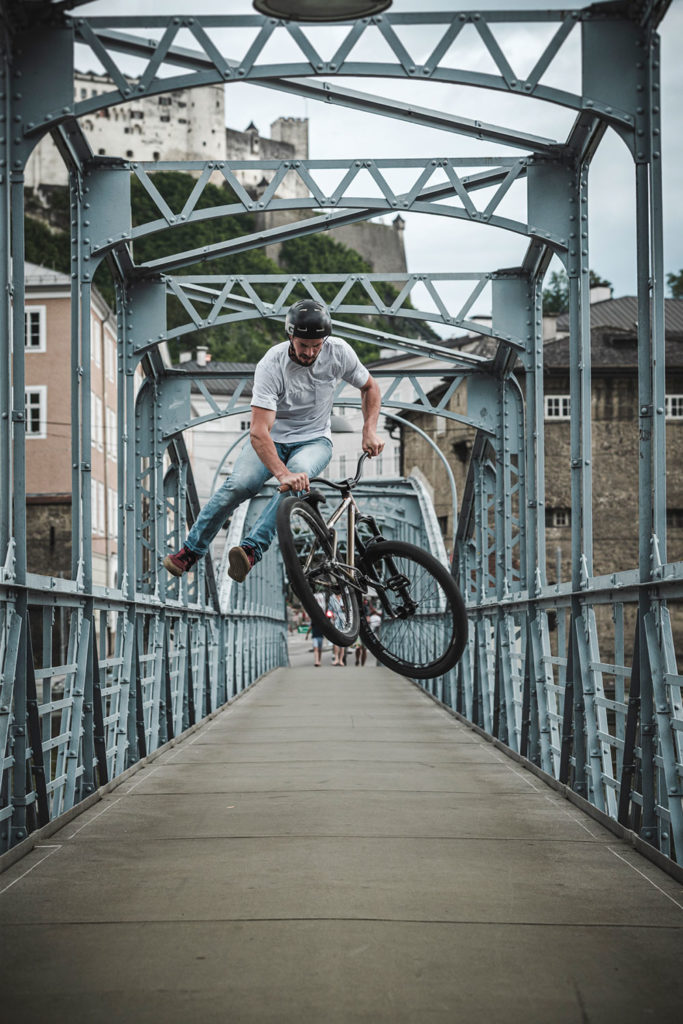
[547, 706]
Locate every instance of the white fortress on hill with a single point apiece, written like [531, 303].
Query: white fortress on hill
[189, 124]
[185, 124]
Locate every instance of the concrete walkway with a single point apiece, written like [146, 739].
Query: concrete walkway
[336, 848]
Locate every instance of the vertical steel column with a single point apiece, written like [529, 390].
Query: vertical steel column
[651, 472]
[580, 456]
[535, 442]
[5, 306]
[580, 398]
[76, 194]
[18, 829]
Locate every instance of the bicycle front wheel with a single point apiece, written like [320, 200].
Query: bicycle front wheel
[316, 577]
[423, 627]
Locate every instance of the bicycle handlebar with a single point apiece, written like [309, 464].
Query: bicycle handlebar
[342, 485]
[350, 482]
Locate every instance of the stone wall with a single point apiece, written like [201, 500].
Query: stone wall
[381, 245]
[48, 527]
[289, 142]
[615, 471]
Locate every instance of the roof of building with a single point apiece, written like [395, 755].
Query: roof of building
[614, 326]
[610, 350]
[622, 315]
[220, 385]
[35, 275]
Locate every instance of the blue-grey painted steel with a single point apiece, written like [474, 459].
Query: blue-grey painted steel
[228, 306]
[548, 668]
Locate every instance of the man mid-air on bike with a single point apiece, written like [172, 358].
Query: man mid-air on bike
[290, 435]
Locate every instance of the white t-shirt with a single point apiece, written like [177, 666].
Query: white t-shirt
[302, 396]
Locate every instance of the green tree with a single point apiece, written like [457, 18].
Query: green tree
[556, 295]
[675, 283]
[47, 248]
[244, 341]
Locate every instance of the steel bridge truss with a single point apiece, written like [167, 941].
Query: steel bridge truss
[546, 669]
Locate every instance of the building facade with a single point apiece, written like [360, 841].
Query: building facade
[614, 425]
[47, 318]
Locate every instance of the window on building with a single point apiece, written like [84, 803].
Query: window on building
[181, 120]
[109, 357]
[96, 426]
[557, 407]
[112, 511]
[136, 115]
[129, 152]
[673, 405]
[34, 328]
[126, 130]
[165, 117]
[93, 507]
[380, 465]
[558, 517]
[443, 525]
[156, 155]
[35, 411]
[165, 101]
[96, 341]
[342, 465]
[397, 461]
[112, 438]
[100, 152]
[84, 94]
[97, 505]
[674, 518]
[245, 424]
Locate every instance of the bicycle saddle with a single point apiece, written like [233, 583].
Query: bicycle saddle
[315, 498]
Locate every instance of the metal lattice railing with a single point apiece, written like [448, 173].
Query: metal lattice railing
[579, 675]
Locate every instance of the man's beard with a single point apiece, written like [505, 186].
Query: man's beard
[302, 362]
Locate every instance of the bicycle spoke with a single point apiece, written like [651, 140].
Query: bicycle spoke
[419, 635]
[318, 576]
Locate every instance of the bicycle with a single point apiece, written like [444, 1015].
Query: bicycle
[423, 627]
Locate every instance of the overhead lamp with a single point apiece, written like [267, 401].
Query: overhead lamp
[321, 10]
[340, 424]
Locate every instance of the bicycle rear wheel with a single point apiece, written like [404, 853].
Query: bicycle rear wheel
[314, 573]
[424, 624]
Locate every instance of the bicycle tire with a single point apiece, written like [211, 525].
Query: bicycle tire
[301, 531]
[424, 643]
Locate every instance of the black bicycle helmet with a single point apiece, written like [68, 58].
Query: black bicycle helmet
[308, 319]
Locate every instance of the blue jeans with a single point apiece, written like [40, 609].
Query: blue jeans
[246, 480]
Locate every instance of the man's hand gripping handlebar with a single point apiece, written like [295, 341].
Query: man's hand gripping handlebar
[294, 482]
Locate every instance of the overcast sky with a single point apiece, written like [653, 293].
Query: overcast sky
[438, 243]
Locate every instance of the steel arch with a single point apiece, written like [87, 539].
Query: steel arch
[543, 695]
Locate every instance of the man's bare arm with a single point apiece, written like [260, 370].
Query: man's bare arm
[259, 433]
[371, 404]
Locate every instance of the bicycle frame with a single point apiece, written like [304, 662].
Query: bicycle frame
[354, 542]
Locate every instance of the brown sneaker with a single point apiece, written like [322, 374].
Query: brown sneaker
[181, 562]
[241, 562]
